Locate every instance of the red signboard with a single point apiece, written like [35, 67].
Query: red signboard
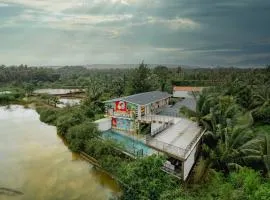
[121, 106]
[114, 122]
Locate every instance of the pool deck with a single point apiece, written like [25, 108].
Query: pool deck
[137, 138]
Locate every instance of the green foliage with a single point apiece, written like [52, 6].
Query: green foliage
[47, 115]
[140, 81]
[112, 163]
[262, 192]
[144, 180]
[162, 73]
[177, 194]
[12, 97]
[246, 180]
[78, 134]
[20, 74]
[29, 88]
[244, 184]
[68, 119]
[262, 114]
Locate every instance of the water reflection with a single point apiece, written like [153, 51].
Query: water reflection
[63, 102]
[57, 91]
[35, 161]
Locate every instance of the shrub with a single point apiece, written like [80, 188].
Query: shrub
[47, 115]
[68, 118]
[144, 179]
[263, 192]
[78, 134]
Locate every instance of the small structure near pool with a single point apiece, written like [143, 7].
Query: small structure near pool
[177, 137]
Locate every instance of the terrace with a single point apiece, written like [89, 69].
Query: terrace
[177, 140]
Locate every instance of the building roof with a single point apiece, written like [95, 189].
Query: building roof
[187, 88]
[179, 139]
[144, 98]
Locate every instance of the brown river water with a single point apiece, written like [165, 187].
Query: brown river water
[36, 164]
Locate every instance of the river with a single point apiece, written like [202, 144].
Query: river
[35, 162]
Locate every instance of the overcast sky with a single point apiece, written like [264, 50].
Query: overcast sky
[191, 32]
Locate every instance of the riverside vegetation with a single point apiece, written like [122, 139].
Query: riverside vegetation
[234, 109]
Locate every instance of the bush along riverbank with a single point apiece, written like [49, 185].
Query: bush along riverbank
[7, 98]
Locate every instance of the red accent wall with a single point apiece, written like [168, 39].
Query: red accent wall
[121, 106]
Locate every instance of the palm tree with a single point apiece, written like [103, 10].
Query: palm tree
[235, 147]
[264, 148]
[226, 149]
[266, 153]
[261, 102]
[262, 96]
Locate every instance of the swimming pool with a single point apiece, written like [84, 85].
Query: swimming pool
[134, 147]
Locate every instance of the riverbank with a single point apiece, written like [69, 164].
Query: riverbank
[36, 161]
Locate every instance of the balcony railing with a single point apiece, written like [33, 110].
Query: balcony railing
[171, 149]
[160, 118]
[162, 128]
[163, 146]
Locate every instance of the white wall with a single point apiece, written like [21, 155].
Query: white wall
[104, 124]
[189, 162]
[185, 94]
[155, 126]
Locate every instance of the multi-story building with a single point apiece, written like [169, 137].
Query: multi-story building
[125, 112]
[177, 137]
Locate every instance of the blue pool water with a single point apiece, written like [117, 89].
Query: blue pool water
[131, 145]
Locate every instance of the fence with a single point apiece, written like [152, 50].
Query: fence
[160, 118]
[169, 148]
[162, 128]
[171, 114]
[134, 151]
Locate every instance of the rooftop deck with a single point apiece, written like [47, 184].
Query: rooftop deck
[178, 140]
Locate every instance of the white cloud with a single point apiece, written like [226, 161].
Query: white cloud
[3, 4]
[173, 24]
[113, 34]
[65, 21]
[163, 49]
[125, 2]
[212, 50]
[47, 5]
[61, 5]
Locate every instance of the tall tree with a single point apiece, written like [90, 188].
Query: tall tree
[163, 73]
[140, 80]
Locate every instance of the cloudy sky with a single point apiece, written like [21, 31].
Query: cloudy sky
[191, 32]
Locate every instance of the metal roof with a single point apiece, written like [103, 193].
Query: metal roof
[144, 98]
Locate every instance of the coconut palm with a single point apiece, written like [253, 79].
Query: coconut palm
[266, 153]
[235, 147]
[262, 104]
[226, 149]
[262, 96]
